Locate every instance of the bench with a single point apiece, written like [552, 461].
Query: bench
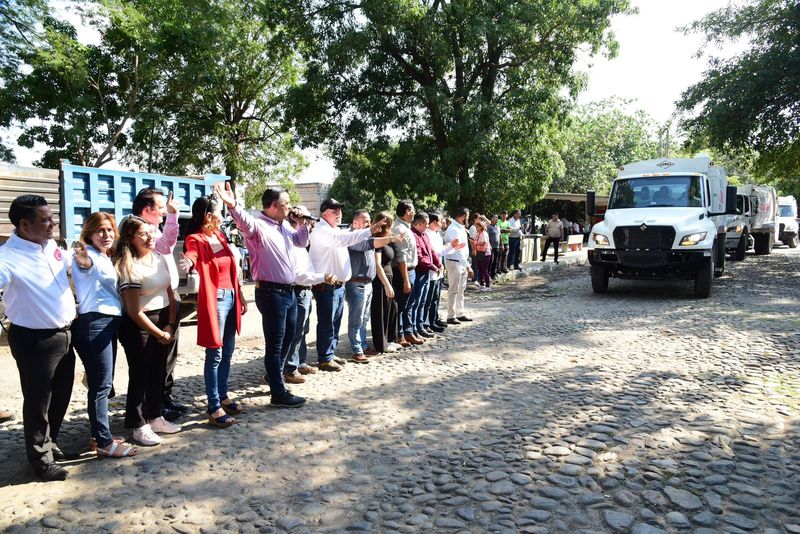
[572, 240]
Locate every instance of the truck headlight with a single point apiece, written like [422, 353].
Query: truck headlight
[693, 239]
[600, 239]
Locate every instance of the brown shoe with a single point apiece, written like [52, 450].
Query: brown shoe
[403, 343]
[413, 340]
[330, 366]
[371, 352]
[360, 358]
[307, 370]
[294, 378]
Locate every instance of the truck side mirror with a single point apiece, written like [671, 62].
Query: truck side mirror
[590, 204]
[730, 200]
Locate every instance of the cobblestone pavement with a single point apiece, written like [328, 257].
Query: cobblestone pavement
[643, 410]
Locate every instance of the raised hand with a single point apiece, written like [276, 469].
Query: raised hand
[173, 204]
[456, 244]
[225, 193]
[81, 255]
[185, 264]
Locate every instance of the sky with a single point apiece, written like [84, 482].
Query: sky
[655, 64]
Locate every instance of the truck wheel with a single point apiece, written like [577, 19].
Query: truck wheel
[702, 280]
[599, 278]
[792, 243]
[763, 244]
[738, 255]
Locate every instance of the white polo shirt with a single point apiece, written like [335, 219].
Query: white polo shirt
[34, 277]
[96, 287]
[457, 231]
[328, 251]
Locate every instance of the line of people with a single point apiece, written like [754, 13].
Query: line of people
[389, 271]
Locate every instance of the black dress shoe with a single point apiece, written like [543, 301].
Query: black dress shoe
[171, 415]
[464, 319]
[287, 401]
[453, 321]
[60, 456]
[50, 471]
[170, 404]
[441, 324]
[424, 333]
[437, 329]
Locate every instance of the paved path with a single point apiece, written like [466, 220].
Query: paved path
[643, 410]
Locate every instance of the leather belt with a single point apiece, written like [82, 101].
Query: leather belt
[323, 287]
[261, 284]
[298, 288]
[363, 280]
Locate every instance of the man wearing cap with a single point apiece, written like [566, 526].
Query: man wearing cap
[270, 240]
[40, 305]
[329, 254]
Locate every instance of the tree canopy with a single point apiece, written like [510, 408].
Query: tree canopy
[750, 103]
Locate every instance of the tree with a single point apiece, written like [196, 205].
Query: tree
[479, 88]
[749, 103]
[75, 98]
[598, 139]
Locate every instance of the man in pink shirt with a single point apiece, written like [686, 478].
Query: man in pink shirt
[151, 206]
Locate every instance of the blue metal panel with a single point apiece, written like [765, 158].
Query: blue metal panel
[85, 190]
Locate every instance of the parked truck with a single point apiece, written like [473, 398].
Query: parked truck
[787, 221]
[665, 220]
[754, 225]
[74, 192]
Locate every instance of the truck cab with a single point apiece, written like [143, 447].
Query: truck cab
[666, 219]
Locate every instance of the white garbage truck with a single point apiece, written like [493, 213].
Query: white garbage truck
[754, 225]
[787, 221]
[665, 220]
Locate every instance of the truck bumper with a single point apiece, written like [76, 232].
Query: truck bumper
[650, 264]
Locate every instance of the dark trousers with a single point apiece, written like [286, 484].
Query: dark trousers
[383, 316]
[555, 241]
[278, 308]
[484, 263]
[514, 252]
[172, 359]
[46, 365]
[494, 268]
[432, 308]
[146, 368]
[96, 344]
[502, 266]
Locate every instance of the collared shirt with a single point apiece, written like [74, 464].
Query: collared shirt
[438, 248]
[362, 259]
[329, 249]
[305, 274]
[516, 227]
[165, 244]
[96, 287]
[270, 245]
[504, 225]
[554, 229]
[427, 261]
[404, 251]
[457, 231]
[37, 293]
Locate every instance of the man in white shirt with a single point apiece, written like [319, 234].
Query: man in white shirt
[151, 205]
[458, 267]
[329, 254]
[404, 271]
[40, 305]
[438, 247]
[554, 230]
[515, 241]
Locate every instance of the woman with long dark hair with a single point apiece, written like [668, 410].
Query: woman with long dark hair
[383, 312]
[220, 303]
[95, 329]
[149, 321]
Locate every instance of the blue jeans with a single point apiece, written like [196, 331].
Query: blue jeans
[298, 351]
[419, 296]
[95, 340]
[330, 306]
[218, 360]
[432, 304]
[359, 303]
[514, 253]
[278, 308]
[404, 302]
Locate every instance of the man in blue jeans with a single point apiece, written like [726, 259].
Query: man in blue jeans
[427, 263]
[404, 271]
[270, 240]
[329, 254]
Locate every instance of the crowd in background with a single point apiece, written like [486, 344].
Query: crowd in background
[389, 271]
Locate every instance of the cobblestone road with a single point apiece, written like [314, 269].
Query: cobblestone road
[643, 410]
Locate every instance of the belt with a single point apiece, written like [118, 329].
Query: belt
[363, 280]
[261, 284]
[298, 288]
[323, 287]
[66, 328]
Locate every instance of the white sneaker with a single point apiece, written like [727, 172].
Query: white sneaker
[393, 346]
[145, 436]
[162, 426]
[389, 348]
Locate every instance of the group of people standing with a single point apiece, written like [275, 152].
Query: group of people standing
[389, 272]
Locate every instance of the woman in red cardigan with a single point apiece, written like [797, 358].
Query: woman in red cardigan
[220, 303]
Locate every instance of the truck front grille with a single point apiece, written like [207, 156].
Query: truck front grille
[643, 260]
[644, 237]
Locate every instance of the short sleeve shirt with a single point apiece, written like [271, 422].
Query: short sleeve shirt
[151, 278]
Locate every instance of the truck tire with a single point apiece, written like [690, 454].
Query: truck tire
[599, 278]
[702, 280]
[792, 243]
[763, 244]
[741, 248]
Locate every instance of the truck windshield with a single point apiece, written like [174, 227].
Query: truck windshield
[786, 211]
[656, 192]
